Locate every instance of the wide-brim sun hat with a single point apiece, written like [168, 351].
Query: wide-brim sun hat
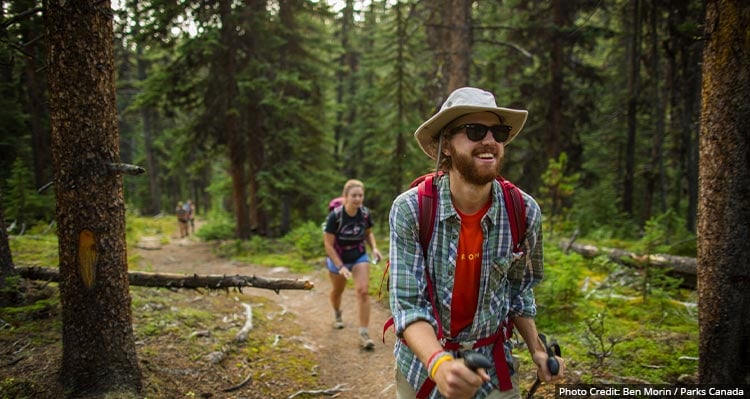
[463, 101]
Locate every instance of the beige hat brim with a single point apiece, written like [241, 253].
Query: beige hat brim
[426, 133]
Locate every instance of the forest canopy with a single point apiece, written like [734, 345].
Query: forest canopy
[259, 109]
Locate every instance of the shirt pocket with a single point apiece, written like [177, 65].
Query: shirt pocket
[494, 301]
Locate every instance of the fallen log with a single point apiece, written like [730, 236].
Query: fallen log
[169, 280]
[679, 266]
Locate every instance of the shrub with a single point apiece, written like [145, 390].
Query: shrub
[307, 239]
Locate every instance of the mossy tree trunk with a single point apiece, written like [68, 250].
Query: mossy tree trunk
[724, 193]
[98, 344]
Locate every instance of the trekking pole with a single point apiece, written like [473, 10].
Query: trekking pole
[475, 361]
[552, 364]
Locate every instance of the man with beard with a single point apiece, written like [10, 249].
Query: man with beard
[457, 294]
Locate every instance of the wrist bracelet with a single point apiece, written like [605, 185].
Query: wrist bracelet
[432, 357]
[442, 358]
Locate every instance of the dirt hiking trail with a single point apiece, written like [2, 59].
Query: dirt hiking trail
[363, 374]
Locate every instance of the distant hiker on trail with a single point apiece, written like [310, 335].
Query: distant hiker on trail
[455, 295]
[182, 219]
[190, 209]
[348, 227]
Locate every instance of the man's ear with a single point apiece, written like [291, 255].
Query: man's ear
[445, 147]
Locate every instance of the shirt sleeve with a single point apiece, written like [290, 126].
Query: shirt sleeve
[528, 270]
[331, 223]
[408, 287]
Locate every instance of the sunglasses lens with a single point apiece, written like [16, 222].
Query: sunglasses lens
[475, 132]
[500, 132]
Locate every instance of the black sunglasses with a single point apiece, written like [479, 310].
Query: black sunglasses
[477, 131]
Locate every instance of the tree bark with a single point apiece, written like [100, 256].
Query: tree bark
[724, 197]
[458, 26]
[167, 280]
[98, 344]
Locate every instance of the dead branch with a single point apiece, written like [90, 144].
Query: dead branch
[126, 168]
[242, 334]
[168, 280]
[679, 266]
[240, 385]
[330, 392]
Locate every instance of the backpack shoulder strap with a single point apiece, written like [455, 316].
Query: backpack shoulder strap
[338, 213]
[516, 209]
[427, 205]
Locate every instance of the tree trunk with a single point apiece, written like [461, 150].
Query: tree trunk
[724, 197]
[147, 118]
[227, 64]
[458, 26]
[632, 107]
[554, 117]
[98, 345]
[655, 194]
[400, 148]
[684, 80]
[34, 102]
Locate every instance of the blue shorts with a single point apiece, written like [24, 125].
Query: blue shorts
[333, 269]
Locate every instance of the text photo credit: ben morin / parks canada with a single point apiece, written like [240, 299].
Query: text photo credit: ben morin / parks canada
[258, 112]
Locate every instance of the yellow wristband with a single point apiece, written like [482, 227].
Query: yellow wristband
[437, 363]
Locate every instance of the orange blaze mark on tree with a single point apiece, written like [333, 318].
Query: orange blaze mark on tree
[87, 257]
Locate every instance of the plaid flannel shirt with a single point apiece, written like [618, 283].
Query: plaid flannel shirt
[506, 282]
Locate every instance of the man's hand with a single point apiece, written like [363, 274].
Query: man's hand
[543, 372]
[456, 381]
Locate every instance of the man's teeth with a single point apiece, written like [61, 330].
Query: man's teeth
[486, 155]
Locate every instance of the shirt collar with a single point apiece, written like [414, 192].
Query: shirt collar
[446, 209]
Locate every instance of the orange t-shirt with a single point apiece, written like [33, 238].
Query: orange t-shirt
[468, 270]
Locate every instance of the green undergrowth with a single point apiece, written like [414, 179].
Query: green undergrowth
[613, 323]
[611, 327]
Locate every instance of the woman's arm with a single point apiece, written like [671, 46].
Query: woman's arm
[329, 240]
[370, 239]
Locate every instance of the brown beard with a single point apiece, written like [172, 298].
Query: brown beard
[464, 164]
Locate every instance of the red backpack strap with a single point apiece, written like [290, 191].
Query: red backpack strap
[427, 204]
[426, 201]
[516, 209]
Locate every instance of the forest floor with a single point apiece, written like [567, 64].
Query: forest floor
[185, 338]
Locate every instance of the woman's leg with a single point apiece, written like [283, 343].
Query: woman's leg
[361, 276]
[338, 283]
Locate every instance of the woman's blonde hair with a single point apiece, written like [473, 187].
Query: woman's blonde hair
[351, 183]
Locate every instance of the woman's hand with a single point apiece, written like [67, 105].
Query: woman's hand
[345, 272]
[377, 257]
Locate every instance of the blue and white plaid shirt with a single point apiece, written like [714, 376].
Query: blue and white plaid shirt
[505, 286]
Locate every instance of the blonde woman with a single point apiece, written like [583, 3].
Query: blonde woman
[348, 228]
